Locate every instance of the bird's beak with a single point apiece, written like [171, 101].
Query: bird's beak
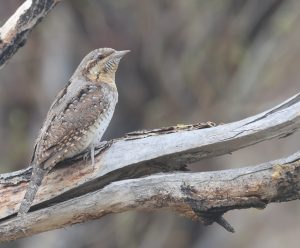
[113, 60]
[119, 54]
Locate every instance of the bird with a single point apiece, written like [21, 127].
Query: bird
[78, 117]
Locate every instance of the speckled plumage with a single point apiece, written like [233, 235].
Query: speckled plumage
[78, 117]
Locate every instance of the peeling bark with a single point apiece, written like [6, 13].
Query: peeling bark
[122, 179]
[204, 196]
[196, 195]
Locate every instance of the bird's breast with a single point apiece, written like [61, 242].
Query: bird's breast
[98, 129]
[101, 124]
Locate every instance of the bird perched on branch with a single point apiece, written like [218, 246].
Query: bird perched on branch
[78, 117]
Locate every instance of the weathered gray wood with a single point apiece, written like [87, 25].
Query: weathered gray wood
[209, 194]
[79, 193]
[145, 153]
[14, 33]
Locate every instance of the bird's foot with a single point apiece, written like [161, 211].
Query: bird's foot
[103, 146]
[86, 156]
[90, 153]
[93, 156]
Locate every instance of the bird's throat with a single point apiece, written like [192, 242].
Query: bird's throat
[107, 78]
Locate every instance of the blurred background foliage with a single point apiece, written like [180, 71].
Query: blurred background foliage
[191, 61]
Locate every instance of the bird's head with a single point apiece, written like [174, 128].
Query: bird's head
[101, 64]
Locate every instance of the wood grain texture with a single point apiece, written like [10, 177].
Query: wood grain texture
[14, 33]
[203, 196]
[144, 153]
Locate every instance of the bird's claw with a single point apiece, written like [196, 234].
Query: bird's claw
[103, 146]
[86, 156]
[90, 153]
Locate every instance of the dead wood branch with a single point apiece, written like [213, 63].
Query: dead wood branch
[147, 152]
[204, 195]
[14, 33]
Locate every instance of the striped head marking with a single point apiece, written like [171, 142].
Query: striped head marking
[101, 64]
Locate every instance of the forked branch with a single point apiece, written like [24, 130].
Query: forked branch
[205, 196]
[78, 192]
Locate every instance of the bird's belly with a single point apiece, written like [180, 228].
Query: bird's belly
[92, 137]
[99, 127]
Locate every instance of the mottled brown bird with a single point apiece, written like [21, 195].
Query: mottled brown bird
[78, 117]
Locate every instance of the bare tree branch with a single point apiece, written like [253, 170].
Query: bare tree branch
[14, 33]
[147, 152]
[75, 192]
[205, 196]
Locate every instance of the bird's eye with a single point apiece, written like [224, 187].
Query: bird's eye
[101, 56]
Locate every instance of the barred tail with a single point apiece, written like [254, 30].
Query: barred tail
[35, 181]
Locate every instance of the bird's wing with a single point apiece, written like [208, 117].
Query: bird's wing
[68, 121]
[52, 111]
